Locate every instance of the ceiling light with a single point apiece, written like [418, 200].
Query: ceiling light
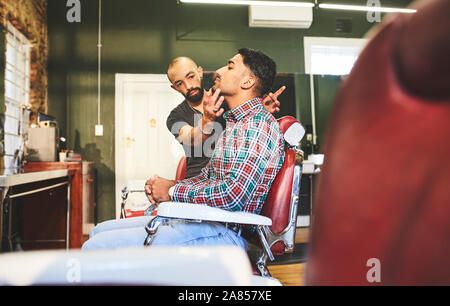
[249, 2]
[366, 8]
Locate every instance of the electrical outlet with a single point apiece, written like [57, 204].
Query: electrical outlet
[99, 130]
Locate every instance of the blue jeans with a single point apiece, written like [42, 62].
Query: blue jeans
[131, 233]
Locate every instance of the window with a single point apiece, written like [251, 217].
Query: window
[333, 56]
[17, 93]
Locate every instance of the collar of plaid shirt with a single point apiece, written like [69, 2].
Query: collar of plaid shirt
[240, 111]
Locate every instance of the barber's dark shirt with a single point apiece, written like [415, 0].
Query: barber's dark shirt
[196, 157]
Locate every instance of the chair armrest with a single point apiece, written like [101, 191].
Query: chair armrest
[208, 213]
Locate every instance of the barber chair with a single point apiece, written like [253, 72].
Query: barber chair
[181, 169]
[276, 225]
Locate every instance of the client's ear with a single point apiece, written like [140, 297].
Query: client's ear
[248, 83]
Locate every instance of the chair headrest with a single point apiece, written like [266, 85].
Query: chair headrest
[292, 130]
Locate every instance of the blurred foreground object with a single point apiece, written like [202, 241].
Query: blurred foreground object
[382, 214]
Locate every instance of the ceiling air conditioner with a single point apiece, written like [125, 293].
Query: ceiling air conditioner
[268, 16]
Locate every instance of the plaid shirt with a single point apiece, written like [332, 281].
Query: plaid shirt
[247, 157]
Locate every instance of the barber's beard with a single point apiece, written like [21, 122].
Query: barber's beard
[196, 98]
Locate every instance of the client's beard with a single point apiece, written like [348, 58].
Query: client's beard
[194, 98]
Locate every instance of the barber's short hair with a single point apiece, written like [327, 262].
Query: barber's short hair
[176, 60]
[262, 66]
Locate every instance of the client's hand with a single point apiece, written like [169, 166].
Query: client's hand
[148, 190]
[157, 189]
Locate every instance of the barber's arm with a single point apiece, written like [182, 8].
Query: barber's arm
[194, 136]
[183, 132]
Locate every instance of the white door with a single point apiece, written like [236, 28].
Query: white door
[144, 145]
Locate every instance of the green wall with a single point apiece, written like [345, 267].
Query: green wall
[142, 36]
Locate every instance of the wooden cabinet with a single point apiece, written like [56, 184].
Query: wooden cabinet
[41, 217]
[76, 196]
[35, 210]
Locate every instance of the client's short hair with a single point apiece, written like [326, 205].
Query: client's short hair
[262, 66]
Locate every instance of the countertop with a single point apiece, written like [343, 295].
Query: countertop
[30, 177]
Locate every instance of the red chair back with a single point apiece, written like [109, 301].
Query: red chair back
[277, 206]
[181, 169]
[278, 203]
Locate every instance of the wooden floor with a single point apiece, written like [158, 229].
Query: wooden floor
[292, 274]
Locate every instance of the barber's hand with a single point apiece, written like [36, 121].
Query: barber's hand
[270, 101]
[211, 106]
[160, 189]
